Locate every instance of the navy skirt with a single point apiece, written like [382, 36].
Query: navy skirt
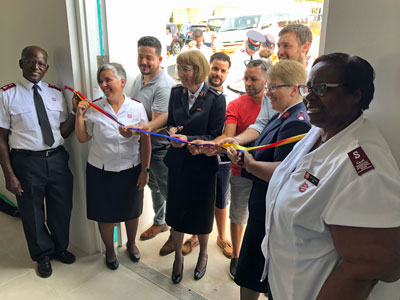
[113, 197]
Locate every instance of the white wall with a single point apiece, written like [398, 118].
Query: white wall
[127, 21]
[370, 29]
[45, 23]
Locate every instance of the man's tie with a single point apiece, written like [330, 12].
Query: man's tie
[42, 116]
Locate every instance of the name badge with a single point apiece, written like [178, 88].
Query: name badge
[360, 161]
[311, 178]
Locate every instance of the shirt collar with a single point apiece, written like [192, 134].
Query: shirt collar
[28, 85]
[288, 109]
[154, 78]
[196, 94]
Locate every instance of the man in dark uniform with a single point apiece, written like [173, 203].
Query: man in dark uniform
[33, 124]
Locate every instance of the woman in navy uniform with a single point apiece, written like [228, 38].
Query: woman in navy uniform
[291, 120]
[196, 112]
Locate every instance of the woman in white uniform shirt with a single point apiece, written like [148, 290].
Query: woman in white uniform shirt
[333, 206]
[117, 169]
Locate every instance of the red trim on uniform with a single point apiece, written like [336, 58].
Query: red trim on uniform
[53, 87]
[286, 115]
[136, 100]
[8, 86]
[254, 43]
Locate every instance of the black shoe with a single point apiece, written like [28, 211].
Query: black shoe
[65, 257]
[135, 257]
[44, 267]
[233, 266]
[112, 265]
[199, 274]
[176, 278]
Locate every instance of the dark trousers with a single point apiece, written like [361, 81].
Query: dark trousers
[44, 180]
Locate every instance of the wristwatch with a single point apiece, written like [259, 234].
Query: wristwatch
[146, 170]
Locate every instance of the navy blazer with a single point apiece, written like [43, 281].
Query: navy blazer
[293, 122]
[204, 121]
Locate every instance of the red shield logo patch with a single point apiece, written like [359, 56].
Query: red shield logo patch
[303, 187]
[130, 116]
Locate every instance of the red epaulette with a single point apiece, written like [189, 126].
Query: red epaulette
[97, 99]
[8, 86]
[54, 87]
[135, 100]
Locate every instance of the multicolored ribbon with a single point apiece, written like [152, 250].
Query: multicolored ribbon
[225, 146]
[276, 144]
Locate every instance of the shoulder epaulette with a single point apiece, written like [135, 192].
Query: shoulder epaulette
[135, 100]
[54, 87]
[97, 99]
[8, 86]
[301, 115]
[215, 91]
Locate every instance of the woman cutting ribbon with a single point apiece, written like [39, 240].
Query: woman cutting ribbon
[282, 90]
[117, 169]
[195, 112]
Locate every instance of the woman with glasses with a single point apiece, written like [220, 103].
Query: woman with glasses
[196, 112]
[333, 205]
[117, 168]
[282, 90]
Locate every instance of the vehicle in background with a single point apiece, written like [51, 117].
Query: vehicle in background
[215, 23]
[186, 32]
[176, 43]
[232, 33]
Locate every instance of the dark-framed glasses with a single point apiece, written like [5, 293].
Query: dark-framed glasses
[32, 64]
[273, 88]
[319, 89]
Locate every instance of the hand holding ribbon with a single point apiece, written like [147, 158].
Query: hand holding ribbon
[179, 140]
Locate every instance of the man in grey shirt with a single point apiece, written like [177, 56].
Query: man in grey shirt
[152, 87]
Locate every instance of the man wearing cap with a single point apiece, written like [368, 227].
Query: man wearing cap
[234, 81]
[267, 48]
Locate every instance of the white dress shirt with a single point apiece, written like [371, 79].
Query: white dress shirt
[109, 149]
[18, 114]
[298, 245]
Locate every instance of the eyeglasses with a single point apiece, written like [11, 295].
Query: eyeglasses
[319, 89]
[272, 88]
[183, 69]
[256, 63]
[33, 64]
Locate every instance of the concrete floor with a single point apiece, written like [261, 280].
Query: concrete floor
[88, 277]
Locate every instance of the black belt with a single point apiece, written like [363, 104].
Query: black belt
[44, 153]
